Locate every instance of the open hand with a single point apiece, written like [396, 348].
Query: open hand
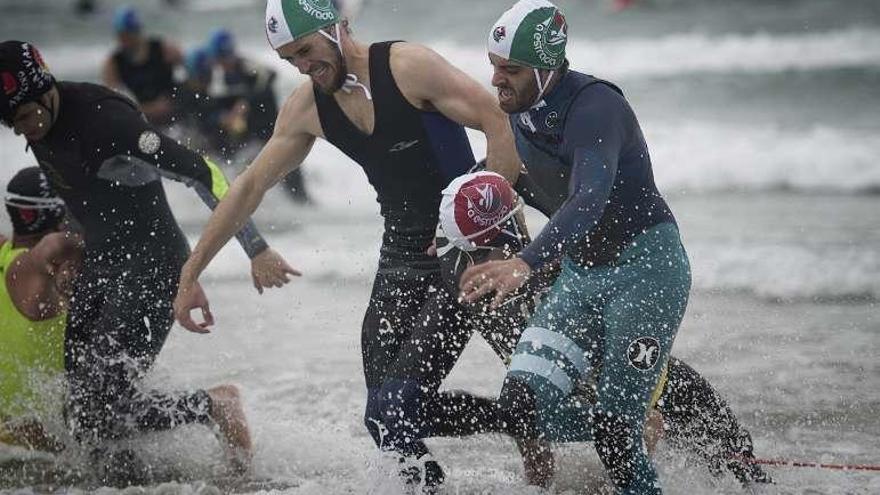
[501, 277]
[269, 269]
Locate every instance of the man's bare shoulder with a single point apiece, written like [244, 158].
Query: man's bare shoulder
[418, 70]
[299, 114]
[413, 59]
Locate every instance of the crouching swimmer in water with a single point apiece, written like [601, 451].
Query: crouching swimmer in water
[37, 265]
[479, 222]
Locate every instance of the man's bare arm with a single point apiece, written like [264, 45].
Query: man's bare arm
[430, 81]
[33, 278]
[285, 151]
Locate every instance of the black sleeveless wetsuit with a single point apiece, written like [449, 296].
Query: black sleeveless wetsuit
[413, 331]
[104, 160]
[149, 80]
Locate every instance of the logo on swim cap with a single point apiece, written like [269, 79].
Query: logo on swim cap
[320, 9]
[290, 20]
[474, 207]
[549, 39]
[499, 33]
[10, 84]
[536, 35]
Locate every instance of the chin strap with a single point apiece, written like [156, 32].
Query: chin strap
[351, 80]
[542, 87]
[526, 117]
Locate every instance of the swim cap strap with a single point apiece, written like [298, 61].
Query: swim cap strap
[542, 87]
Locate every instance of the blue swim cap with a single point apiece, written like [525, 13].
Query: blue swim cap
[126, 20]
[221, 43]
[198, 63]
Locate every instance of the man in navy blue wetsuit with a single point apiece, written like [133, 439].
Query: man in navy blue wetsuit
[619, 299]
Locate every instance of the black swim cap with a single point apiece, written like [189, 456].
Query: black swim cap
[23, 75]
[32, 205]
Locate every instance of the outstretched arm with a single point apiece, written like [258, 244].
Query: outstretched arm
[433, 82]
[285, 151]
[135, 137]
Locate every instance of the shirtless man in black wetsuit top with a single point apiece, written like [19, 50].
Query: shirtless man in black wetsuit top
[104, 160]
[399, 111]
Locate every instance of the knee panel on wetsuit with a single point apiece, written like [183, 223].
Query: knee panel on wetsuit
[400, 407]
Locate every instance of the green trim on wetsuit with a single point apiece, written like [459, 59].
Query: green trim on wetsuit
[29, 350]
[219, 184]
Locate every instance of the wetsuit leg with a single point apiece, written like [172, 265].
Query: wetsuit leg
[620, 320]
[395, 302]
[649, 296]
[697, 419]
[118, 324]
[559, 347]
[434, 344]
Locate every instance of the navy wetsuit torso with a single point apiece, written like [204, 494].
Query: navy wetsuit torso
[598, 170]
[409, 158]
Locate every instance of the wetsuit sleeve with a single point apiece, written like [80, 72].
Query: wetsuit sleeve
[593, 137]
[127, 132]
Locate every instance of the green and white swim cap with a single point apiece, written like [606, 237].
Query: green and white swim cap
[290, 20]
[532, 33]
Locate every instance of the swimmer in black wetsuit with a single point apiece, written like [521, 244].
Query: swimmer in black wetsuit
[104, 160]
[143, 67]
[399, 111]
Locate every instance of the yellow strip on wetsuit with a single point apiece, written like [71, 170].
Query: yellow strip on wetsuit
[219, 184]
[661, 386]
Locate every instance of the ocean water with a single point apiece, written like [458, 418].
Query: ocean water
[763, 121]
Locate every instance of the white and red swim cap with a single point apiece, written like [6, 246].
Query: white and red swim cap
[475, 207]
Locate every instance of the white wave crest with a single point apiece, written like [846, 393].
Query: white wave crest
[787, 271]
[701, 156]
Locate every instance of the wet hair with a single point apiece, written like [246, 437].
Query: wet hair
[32, 205]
